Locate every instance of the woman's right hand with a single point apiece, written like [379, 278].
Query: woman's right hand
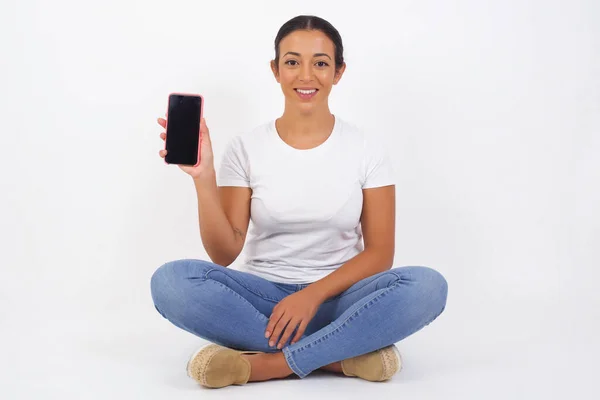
[206, 166]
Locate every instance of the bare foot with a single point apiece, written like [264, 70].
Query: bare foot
[334, 367]
[267, 366]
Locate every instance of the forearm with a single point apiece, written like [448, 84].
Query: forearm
[221, 242]
[363, 265]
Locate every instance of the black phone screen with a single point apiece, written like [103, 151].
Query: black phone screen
[183, 129]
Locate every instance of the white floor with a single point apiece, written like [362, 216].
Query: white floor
[544, 348]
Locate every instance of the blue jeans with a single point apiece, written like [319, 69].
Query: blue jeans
[232, 308]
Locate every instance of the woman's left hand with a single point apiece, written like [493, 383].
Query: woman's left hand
[296, 309]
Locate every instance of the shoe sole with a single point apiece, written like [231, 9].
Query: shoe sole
[390, 366]
[400, 363]
[208, 358]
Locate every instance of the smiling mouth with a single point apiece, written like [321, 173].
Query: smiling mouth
[306, 91]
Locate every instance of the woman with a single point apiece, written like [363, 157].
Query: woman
[311, 294]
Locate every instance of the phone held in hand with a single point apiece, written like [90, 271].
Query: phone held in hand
[182, 143]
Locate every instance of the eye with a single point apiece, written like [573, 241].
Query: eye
[322, 64]
[291, 61]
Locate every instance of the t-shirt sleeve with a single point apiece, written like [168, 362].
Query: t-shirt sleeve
[377, 166]
[233, 170]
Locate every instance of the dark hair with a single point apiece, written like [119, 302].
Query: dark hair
[311, 22]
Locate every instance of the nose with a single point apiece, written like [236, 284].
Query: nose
[306, 72]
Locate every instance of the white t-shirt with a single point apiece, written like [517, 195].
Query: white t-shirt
[306, 204]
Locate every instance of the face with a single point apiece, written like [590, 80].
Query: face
[306, 70]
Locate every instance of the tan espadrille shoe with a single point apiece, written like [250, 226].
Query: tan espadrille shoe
[376, 366]
[215, 366]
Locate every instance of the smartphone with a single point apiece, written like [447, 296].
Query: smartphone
[183, 129]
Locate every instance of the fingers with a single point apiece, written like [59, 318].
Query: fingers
[278, 330]
[163, 152]
[288, 332]
[276, 326]
[271, 326]
[162, 122]
[300, 332]
[204, 132]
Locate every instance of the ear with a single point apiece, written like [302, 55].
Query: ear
[275, 71]
[339, 73]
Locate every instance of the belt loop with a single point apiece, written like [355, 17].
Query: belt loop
[302, 286]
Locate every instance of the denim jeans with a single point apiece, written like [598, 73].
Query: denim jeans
[232, 308]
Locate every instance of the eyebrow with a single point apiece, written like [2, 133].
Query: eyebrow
[314, 55]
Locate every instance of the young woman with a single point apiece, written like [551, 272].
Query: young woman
[317, 290]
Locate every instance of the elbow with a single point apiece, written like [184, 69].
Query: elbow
[223, 256]
[388, 263]
[379, 261]
[384, 257]
[222, 263]
[223, 260]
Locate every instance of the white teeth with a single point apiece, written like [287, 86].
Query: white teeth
[306, 91]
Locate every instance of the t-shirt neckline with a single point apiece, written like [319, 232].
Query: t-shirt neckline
[321, 147]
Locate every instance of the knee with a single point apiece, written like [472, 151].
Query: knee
[434, 287]
[170, 282]
[165, 282]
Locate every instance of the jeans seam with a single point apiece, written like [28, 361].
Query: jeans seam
[293, 366]
[241, 284]
[236, 294]
[359, 288]
[343, 324]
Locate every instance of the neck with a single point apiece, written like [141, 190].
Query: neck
[295, 123]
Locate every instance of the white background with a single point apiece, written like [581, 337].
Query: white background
[491, 112]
